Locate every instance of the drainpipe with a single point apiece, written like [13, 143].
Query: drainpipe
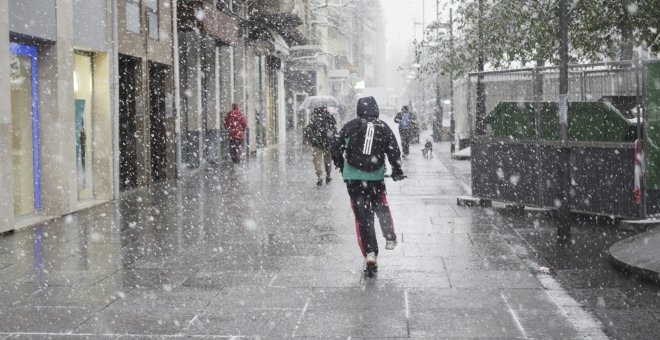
[177, 88]
[114, 104]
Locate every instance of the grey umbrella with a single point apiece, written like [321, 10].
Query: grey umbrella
[312, 102]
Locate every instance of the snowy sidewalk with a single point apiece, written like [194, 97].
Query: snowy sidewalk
[258, 249]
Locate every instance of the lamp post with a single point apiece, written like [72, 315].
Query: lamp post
[449, 25]
[420, 81]
[412, 75]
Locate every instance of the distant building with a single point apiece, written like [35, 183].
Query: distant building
[346, 47]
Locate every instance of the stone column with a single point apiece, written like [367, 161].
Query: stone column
[281, 107]
[250, 96]
[240, 75]
[190, 89]
[142, 133]
[56, 124]
[103, 132]
[6, 194]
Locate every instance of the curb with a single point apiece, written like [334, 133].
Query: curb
[635, 255]
[469, 201]
[639, 225]
[460, 158]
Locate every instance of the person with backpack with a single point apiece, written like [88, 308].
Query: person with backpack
[406, 121]
[319, 133]
[359, 152]
[235, 123]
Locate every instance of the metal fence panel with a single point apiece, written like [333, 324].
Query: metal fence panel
[511, 164]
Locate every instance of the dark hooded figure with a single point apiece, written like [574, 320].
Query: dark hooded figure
[359, 152]
[406, 121]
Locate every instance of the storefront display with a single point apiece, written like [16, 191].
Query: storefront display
[83, 94]
[25, 129]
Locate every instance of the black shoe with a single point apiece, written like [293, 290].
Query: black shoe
[370, 271]
[319, 182]
[328, 180]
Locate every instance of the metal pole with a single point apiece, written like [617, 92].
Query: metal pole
[537, 85]
[423, 18]
[436, 121]
[564, 228]
[583, 86]
[414, 30]
[480, 128]
[640, 136]
[177, 86]
[114, 104]
[452, 121]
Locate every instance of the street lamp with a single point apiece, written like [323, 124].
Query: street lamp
[450, 26]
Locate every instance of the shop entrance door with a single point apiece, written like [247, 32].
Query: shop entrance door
[128, 88]
[25, 129]
[157, 93]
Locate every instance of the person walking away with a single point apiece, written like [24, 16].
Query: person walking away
[359, 152]
[320, 133]
[406, 121]
[235, 123]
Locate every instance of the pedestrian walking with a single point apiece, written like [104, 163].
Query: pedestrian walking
[406, 121]
[320, 132]
[359, 152]
[235, 123]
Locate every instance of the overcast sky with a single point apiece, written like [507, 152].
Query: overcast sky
[400, 16]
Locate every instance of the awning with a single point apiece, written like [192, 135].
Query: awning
[285, 25]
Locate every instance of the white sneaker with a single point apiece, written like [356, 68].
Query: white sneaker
[390, 245]
[371, 259]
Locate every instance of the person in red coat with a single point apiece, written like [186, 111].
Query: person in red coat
[235, 123]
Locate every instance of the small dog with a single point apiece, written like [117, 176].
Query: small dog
[427, 151]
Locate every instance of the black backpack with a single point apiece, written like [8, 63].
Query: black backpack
[319, 131]
[366, 145]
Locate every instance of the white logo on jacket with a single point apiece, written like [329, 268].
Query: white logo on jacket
[368, 139]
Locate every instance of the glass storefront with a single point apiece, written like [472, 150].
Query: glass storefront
[25, 125]
[83, 90]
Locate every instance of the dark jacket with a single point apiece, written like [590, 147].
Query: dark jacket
[322, 128]
[367, 110]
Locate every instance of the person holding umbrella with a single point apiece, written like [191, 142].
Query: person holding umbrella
[320, 133]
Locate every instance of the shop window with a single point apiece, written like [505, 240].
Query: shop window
[83, 89]
[152, 18]
[133, 17]
[25, 129]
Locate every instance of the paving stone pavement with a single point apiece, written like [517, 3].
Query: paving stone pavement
[257, 250]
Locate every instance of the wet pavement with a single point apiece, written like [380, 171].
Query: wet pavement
[258, 250]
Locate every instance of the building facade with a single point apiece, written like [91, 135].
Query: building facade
[275, 27]
[345, 53]
[56, 105]
[88, 111]
[211, 52]
[145, 92]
